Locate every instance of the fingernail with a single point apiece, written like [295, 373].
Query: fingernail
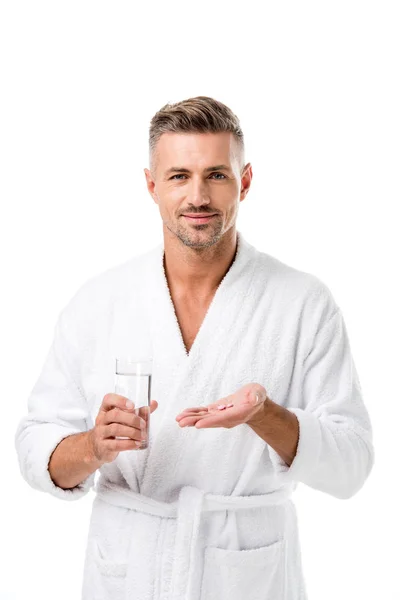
[129, 404]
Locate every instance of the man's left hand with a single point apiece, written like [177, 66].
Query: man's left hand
[246, 404]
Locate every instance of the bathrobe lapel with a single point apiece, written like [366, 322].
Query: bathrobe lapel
[179, 378]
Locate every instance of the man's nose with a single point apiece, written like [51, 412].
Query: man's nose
[198, 193]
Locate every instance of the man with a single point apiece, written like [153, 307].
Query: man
[254, 390]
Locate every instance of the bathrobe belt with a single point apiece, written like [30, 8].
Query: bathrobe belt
[187, 510]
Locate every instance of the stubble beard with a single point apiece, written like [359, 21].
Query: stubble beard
[192, 238]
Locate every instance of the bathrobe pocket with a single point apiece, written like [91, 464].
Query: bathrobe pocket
[110, 576]
[255, 574]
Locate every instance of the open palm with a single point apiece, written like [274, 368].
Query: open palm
[245, 403]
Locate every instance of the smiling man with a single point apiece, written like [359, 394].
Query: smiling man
[254, 390]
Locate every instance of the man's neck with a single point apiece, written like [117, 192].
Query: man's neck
[196, 273]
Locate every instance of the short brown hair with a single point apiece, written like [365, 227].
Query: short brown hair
[201, 114]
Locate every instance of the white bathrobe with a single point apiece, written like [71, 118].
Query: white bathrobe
[202, 514]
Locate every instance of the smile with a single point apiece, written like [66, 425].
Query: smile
[199, 220]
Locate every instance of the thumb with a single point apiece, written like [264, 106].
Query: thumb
[153, 405]
[257, 397]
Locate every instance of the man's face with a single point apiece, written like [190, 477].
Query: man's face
[198, 173]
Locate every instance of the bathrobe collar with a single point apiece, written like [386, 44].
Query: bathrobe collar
[166, 332]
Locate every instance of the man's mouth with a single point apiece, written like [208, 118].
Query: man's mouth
[199, 218]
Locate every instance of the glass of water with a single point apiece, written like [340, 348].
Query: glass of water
[133, 380]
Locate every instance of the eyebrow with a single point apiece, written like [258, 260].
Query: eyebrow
[207, 170]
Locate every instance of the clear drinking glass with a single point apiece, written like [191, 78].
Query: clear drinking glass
[133, 380]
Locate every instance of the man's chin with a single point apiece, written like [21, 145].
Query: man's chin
[202, 239]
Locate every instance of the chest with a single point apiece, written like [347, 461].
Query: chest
[190, 315]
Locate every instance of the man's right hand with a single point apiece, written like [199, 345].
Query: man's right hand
[116, 418]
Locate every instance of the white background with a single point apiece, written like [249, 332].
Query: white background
[316, 87]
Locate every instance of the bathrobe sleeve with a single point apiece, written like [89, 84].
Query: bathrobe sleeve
[56, 409]
[335, 452]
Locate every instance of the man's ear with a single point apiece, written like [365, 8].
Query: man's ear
[150, 185]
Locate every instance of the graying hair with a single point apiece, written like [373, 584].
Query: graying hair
[201, 114]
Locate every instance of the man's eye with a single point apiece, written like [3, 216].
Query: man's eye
[182, 175]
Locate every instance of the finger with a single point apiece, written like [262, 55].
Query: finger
[194, 419]
[207, 411]
[188, 421]
[253, 397]
[228, 417]
[117, 430]
[112, 400]
[153, 405]
[258, 397]
[115, 445]
[190, 412]
[211, 422]
[124, 417]
[194, 409]
[183, 418]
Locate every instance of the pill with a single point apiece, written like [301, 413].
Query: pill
[221, 407]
